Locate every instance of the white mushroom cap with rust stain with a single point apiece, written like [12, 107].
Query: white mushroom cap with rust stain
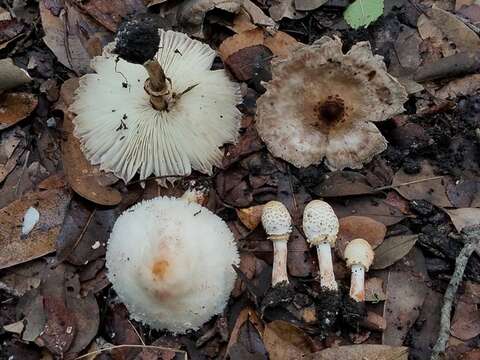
[120, 130]
[359, 252]
[320, 223]
[320, 104]
[170, 263]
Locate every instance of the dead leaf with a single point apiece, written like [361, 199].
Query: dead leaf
[83, 177]
[447, 28]
[247, 320]
[464, 217]
[69, 33]
[280, 9]
[250, 217]
[11, 75]
[423, 186]
[257, 15]
[361, 352]
[374, 207]
[285, 341]
[464, 193]
[393, 249]
[374, 291]
[405, 296]
[15, 107]
[15, 249]
[466, 321]
[191, 13]
[307, 5]
[248, 143]
[343, 183]
[19, 279]
[12, 146]
[280, 43]
[300, 262]
[464, 86]
[354, 227]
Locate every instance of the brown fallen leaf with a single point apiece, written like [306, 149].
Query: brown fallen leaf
[247, 322]
[423, 186]
[19, 279]
[343, 183]
[285, 341]
[371, 206]
[374, 291]
[83, 177]
[406, 293]
[361, 352]
[280, 44]
[466, 321]
[15, 107]
[11, 75]
[12, 147]
[464, 217]
[354, 227]
[15, 248]
[393, 249]
[465, 86]
[307, 5]
[250, 217]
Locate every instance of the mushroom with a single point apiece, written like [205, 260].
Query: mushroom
[359, 256]
[170, 262]
[320, 225]
[320, 104]
[162, 110]
[277, 223]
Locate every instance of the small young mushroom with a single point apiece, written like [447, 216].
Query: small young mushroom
[320, 225]
[277, 223]
[153, 106]
[359, 256]
[170, 262]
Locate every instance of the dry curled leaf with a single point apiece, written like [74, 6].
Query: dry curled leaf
[15, 107]
[423, 186]
[393, 249]
[354, 227]
[343, 183]
[464, 217]
[405, 296]
[285, 341]
[83, 177]
[11, 75]
[250, 217]
[361, 352]
[15, 248]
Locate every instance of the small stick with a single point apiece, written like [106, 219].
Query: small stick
[472, 237]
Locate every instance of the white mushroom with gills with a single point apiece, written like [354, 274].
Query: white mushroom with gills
[170, 262]
[359, 256]
[153, 106]
[321, 225]
[277, 223]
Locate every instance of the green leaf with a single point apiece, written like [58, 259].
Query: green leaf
[363, 12]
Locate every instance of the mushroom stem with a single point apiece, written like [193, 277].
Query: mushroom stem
[156, 85]
[357, 283]
[279, 272]
[327, 277]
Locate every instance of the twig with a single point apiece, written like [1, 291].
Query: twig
[472, 237]
[408, 183]
[162, 348]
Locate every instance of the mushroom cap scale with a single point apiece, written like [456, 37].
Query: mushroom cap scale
[276, 220]
[359, 252]
[320, 223]
[120, 130]
[170, 263]
[320, 104]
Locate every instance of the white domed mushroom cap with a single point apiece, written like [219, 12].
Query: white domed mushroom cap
[170, 262]
[359, 252]
[320, 223]
[276, 219]
[120, 130]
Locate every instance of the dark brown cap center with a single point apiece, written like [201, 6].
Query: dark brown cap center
[330, 111]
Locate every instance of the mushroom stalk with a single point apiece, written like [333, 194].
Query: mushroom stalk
[279, 272]
[357, 283]
[156, 85]
[327, 277]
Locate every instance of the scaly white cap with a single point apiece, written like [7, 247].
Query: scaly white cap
[276, 220]
[320, 223]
